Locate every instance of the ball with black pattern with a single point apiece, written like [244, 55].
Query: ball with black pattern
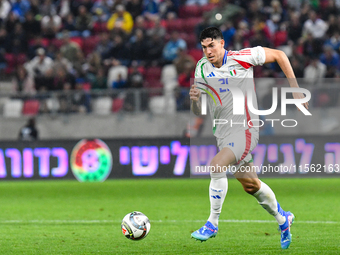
[135, 226]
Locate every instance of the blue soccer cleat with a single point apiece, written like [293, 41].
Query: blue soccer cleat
[286, 236]
[205, 232]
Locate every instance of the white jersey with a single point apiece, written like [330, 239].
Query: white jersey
[236, 71]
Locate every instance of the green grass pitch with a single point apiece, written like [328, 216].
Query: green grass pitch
[67, 217]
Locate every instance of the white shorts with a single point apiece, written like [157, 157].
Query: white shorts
[242, 144]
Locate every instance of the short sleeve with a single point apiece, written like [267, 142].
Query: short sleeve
[259, 56]
[249, 57]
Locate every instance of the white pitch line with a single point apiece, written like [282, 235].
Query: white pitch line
[158, 221]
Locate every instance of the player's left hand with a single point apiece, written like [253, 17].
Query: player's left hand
[299, 95]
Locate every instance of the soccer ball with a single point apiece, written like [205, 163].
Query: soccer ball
[135, 226]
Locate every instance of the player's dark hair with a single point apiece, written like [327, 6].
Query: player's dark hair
[211, 32]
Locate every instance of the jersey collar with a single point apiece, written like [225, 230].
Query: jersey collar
[224, 58]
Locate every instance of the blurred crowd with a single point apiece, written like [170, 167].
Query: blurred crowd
[49, 45]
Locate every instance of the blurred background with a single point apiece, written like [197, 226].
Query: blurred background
[97, 89]
[107, 68]
[120, 71]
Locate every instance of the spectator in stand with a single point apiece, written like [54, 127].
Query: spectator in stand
[260, 29]
[70, 50]
[183, 61]
[64, 8]
[117, 73]
[23, 82]
[87, 3]
[99, 80]
[120, 50]
[44, 82]
[154, 50]
[139, 25]
[138, 48]
[150, 9]
[51, 50]
[38, 43]
[334, 41]
[196, 2]
[166, 7]
[201, 26]
[50, 25]
[238, 42]
[259, 39]
[228, 32]
[134, 7]
[311, 46]
[69, 24]
[84, 21]
[186, 75]
[315, 72]
[61, 62]
[80, 100]
[18, 40]
[294, 28]
[65, 99]
[47, 8]
[135, 81]
[31, 26]
[121, 19]
[5, 8]
[277, 15]
[104, 46]
[119, 83]
[331, 59]
[314, 25]
[93, 64]
[104, 7]
[3, 61]
[330, 10]
[135, 78]
[333, 25]
[35, 7]
[21, 7]
[158, 28]
[61, 77]
[99, 19]
[243, 28]
[11, 22]
[4, 40]
[170, 50]
[39, 65]
[297, 66]
[29, 132]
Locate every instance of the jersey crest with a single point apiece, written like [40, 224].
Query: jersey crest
[232, 70]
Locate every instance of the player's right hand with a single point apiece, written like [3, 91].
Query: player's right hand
[194, 93]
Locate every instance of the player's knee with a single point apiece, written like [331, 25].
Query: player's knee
[215, 167]
[250, 187]
[216, 171]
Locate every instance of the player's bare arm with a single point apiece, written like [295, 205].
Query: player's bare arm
[195, 95]
[281, 58]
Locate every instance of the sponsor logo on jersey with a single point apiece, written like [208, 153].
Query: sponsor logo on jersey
[211, 75]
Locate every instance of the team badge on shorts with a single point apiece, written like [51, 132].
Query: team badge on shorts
[232, 70]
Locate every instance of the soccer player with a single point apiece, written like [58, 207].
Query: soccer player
[237, 141]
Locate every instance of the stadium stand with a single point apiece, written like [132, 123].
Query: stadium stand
[303, 29]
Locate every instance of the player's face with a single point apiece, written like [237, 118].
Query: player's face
[214, 50]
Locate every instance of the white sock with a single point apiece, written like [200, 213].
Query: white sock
[217, 191]
[266, 198]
